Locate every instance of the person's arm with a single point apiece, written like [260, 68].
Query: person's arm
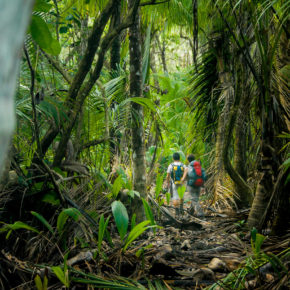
[184, 175]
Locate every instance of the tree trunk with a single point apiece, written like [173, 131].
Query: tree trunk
[272, 195]
[239, 181]
[116, 44]
[139, 168]
[269, 149]
[162, 53]
[115, 62]
[242, 198]
[75, 102]
[14, 18]
[280, 206]
[225, 84]
[263, 192]
[281, 223]
[153, 68]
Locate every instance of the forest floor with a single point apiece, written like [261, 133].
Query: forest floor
[186, 252]
[188, 257]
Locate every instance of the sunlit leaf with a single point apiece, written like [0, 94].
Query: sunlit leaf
[42, 6]
[42, 36]
[117, 186]
[148, 212]
[60, 275]
[121, 217]
[17, 226]
[64, 215]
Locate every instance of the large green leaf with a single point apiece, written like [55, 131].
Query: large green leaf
[258, 242]
[159, 184]
[121, 217]
[148, 212]
[42, 36]
[136, 232]
[17, 226]
[102, 228]
[142, 101]
[41, 6]
[64, 215]
[117, 186]
[181, 191]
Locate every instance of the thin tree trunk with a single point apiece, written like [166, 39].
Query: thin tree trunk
[116, 44]
[153, 68]
[114, 63]
[195, 30]
[78, 142]
[139, 168]
[162, 53]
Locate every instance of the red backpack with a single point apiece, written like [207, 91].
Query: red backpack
[196, 175]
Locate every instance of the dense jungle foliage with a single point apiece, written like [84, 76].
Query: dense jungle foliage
[96, 96]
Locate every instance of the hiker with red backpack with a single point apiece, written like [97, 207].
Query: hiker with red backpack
[196, 177]
[175, 173]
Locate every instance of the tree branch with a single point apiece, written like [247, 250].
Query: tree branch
[34, 113]
[92, 46]
[56, 65]
[153, 2]
[83, 69]
[75, 107]
[93, 143]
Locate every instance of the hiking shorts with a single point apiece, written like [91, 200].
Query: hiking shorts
[194, 193]
[174, 192]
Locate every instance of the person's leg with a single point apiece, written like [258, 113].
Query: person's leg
[175, 198]
[194, 193]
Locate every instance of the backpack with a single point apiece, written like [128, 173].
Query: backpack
[196, 175]
[177, 173]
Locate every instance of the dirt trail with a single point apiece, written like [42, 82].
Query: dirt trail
[183, 256]
[192, 253]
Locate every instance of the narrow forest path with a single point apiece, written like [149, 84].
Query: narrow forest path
[201, 255]
[190, 258]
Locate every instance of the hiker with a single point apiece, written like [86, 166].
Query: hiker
[175, 172]
[195, 176]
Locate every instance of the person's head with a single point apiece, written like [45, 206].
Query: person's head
[190, 157]
[176, 156]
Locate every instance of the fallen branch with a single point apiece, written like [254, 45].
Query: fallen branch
[194, 225]
[70, 178]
